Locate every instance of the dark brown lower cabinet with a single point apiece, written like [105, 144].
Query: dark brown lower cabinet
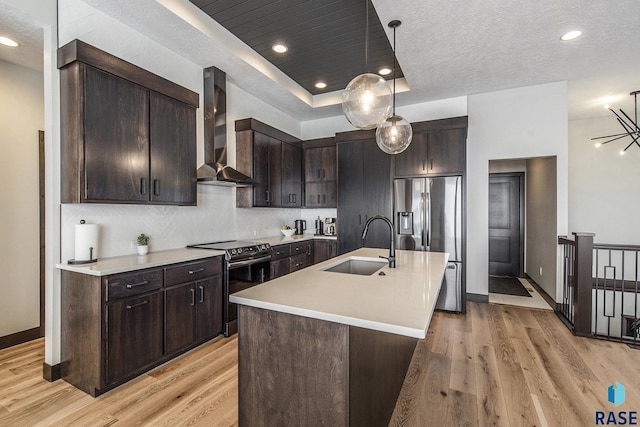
[118, 326]
[134, 337]
[192, 313]
[279, 268]
[324, 250]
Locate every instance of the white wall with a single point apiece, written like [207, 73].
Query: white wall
[21, 117]
[541, 213]
[517, 123]
[434, 110]
[603, 185]
[44, 14]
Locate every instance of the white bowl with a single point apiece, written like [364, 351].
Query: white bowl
[288, 233]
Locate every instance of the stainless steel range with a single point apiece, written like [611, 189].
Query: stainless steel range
[247, 265]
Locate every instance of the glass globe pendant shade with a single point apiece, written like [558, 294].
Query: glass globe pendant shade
[367, 101]
[394, 135]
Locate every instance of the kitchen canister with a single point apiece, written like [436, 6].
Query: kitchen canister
[86, 243]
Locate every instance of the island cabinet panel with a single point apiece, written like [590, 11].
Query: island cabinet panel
[295, 370]
[292, 371]
[364, 190]
[117, 326]
[127, 135]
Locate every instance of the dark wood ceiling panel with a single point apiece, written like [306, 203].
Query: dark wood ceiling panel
[325, 38]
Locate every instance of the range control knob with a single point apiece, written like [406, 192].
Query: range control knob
[233, 251]
[239, 250]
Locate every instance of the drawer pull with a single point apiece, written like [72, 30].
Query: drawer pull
[297, 249]
[130, 306]
[201, 293]
[135, 285]
[200, 270]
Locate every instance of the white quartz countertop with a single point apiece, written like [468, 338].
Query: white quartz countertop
[281, 240]
[126, 263]
[400, 302]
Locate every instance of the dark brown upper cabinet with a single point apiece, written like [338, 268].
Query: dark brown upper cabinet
[438, 148]
[128, 136]
[320, 173]
[273, 159]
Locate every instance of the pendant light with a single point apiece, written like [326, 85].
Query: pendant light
[394, 135]
[366, 101]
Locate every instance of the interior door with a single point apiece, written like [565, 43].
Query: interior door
[505, 225]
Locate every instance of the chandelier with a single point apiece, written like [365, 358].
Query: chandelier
[629, 125]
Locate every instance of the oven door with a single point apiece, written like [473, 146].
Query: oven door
[242, 275]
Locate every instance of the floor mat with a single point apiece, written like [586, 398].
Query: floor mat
[508, 286]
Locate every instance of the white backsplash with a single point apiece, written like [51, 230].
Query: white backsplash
[215, 218]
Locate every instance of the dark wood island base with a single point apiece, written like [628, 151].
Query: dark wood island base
[296, 370]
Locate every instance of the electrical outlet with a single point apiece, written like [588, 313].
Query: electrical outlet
[540, 271]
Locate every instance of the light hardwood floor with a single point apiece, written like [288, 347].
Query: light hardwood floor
[499, 365]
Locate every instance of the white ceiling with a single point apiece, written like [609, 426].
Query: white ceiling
[29, 34]
[446, 49]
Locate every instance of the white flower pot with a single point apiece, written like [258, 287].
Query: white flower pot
[143, 250]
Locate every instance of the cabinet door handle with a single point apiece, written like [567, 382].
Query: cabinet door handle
[267, 197]
[200, 270]
[130, 306]
[431, 163]
[323, 174]
[309, 249]
[324, 198]
[201, 293]
[295, 198]
[423, 165]
[156, 187]
[135, 285]
[318, 199]
[143, 186]
[193, 296]
[319, 175]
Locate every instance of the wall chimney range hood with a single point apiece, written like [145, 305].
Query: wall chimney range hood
[215, 170]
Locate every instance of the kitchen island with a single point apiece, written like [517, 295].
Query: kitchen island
[320, 347]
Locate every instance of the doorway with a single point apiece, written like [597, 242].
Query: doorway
[506, 224]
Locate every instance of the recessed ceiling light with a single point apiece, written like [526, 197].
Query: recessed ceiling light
[571, 35]
[384, 71]
[8, 42]
[321, 85]
[280, 48]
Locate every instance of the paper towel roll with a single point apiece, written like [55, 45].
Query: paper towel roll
[86, 237]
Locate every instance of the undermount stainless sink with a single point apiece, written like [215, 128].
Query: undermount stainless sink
[357, 265]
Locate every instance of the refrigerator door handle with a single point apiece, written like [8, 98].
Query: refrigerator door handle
[422, 220]
[426, 227]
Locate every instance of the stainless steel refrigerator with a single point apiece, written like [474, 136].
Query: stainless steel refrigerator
[428, 217]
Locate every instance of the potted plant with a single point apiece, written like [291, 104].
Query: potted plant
[143, 244]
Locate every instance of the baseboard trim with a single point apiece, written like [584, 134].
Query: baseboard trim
[19, 337]
[542, 292]
[483, 299]
[51, 373]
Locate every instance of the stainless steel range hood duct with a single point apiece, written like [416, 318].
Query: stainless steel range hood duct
[215, 171]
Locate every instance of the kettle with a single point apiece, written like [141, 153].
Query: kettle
[301, 225]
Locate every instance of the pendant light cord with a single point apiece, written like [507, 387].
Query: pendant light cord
[366, 37]
[394, 70]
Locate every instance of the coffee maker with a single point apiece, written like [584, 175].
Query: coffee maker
[300, 225]
[330, 227]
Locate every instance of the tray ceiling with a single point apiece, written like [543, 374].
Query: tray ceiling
[326, 39]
